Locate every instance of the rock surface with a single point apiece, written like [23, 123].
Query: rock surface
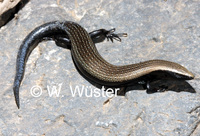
[163, 29]
[5, 5]
[7, 9]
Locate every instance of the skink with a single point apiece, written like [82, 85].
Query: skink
[88, 60]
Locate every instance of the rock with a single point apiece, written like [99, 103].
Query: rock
[7, 9]
[167, 30]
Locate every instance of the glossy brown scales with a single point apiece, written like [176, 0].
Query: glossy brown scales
[87, 56]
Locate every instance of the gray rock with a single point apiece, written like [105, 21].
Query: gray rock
[166, 30]
[7, 9]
